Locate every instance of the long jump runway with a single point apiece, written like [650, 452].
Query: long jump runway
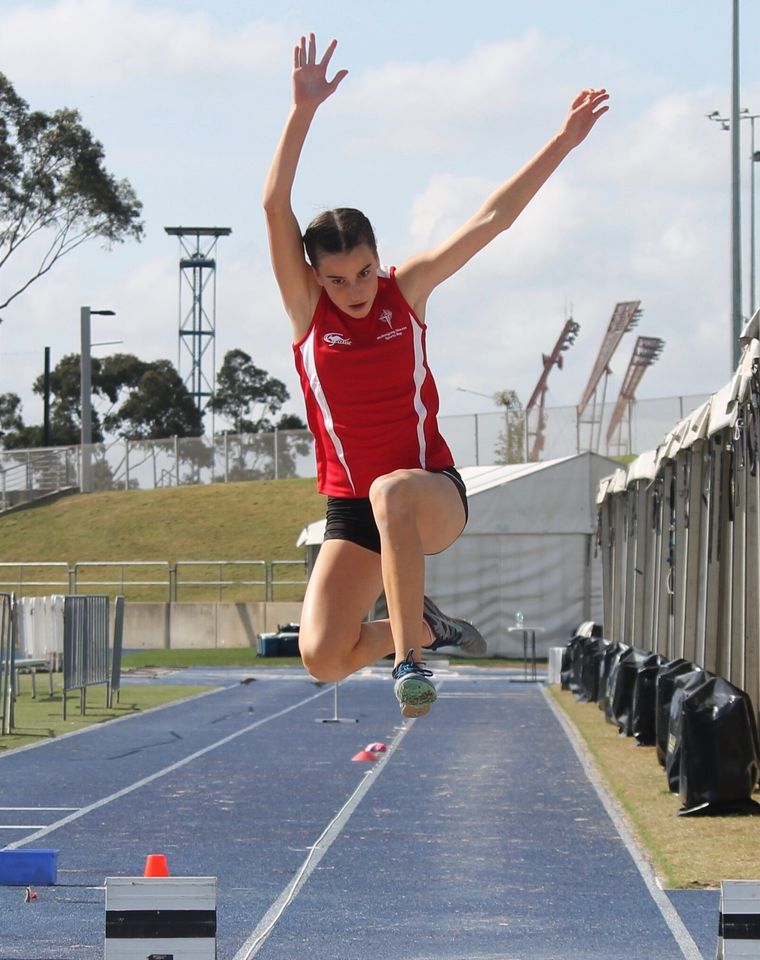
[477, 835]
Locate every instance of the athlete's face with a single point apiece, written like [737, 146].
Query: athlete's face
[349, 279]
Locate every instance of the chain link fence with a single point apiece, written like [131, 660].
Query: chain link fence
[480, 438]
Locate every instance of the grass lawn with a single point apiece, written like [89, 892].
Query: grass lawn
[260, 520]
[684, 851]
[256, 521]
[229, 657]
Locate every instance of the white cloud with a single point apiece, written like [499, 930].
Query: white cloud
[109, 42]
[437, 105]
[639, 211]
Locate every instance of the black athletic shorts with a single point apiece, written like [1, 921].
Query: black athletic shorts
[351, 518]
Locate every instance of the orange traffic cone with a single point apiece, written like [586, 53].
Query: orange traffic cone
[156, 865]
[376, 748]
[364, 755]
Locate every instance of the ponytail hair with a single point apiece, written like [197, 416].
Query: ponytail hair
[337, 231]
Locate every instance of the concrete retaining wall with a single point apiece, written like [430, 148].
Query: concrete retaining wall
[183, 625]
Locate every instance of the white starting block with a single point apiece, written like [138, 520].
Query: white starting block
[739, 930]
[160, 918]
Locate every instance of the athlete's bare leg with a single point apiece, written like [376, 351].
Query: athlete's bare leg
[417, 513]
[343, 587]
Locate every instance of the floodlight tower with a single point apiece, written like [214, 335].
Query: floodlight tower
[646, 351]
[197, 322]
[625, 316]
[538, 397]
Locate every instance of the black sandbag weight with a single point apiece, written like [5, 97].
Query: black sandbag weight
[719, 761]
[664, 686]
[643, 710]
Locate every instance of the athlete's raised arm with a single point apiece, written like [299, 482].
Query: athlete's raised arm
[419, 276]
[311, 87]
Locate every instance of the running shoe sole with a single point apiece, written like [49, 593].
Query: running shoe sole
[415, 695]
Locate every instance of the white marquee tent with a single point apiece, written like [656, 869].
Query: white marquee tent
[528, 546]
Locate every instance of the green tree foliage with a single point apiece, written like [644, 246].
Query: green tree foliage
[142, 400]
[510, 445]
[53, 183]
[249, 398]
[157, 406]
[246, 395]
[10, 413]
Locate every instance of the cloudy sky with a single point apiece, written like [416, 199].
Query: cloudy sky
[442, 102]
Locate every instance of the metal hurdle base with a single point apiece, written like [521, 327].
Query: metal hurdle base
[336, 717]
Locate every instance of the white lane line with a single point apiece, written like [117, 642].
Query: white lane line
[683, 938]
[21, 826]
[83, 811]
[328, 836]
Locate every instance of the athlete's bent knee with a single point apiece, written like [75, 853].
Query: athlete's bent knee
[323, 663]
[391, 499]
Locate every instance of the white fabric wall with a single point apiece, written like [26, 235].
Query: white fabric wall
[553, 497]
[487, 578]
[40, 626]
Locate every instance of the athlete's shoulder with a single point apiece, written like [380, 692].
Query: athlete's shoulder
[390, 288]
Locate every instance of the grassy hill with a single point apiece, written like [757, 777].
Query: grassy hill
[259, 520]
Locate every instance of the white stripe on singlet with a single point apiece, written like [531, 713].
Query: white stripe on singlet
[419, 379]
[309, 363]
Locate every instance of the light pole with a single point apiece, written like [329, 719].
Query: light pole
[736, 249]
[754, 157]
[85, 377]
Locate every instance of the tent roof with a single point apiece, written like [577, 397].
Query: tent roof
[481, 478]
[549, 496]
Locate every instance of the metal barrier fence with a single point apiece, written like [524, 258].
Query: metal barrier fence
[680, 536]
[149, 579]
[116, 649]
[7, 648]
[157, 580]
[480, 438]
[32, 579]
[85, 646]
[87, 659]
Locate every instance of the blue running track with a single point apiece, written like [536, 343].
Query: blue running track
[478, 835]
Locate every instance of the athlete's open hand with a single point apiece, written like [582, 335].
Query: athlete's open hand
[310, 84]
[584, 111]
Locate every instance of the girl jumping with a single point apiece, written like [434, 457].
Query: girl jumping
[359, 332]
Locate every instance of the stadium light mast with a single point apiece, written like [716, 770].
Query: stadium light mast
[197, 322]
[538, 398]
[646, 351]
[625, 316]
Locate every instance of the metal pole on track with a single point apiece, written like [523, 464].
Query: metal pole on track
[336, 717]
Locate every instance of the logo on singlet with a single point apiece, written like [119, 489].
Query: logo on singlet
[336, 339]
[387, 317]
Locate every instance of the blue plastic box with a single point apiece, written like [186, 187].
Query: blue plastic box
[268, 645]
[23, 867]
